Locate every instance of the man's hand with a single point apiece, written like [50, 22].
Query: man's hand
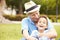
[51, 34]
[32, 38]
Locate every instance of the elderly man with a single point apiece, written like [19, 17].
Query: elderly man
[28, 23]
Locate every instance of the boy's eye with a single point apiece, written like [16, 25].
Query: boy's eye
[40, 22]
[43, 22]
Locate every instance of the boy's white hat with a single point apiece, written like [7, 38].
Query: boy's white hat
[31, 7]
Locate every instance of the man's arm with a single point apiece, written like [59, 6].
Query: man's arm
[51, 34]
[26, 35]
[25, 30]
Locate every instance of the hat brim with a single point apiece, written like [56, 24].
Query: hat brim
[37, 8]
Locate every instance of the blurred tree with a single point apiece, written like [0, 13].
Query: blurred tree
[56, 10]
[2, 7]
[50, 5]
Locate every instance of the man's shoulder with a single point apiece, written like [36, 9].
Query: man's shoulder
[25, 19]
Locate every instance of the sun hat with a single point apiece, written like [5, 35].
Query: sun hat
[31, 7]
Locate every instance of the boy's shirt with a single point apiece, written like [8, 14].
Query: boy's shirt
[35, 34]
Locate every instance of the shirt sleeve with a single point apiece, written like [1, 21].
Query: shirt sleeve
[24, 24]
[50, 26]
[35, 33]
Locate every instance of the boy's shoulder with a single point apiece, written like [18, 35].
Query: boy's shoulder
[35, 33]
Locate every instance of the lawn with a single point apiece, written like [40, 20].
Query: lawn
[10, 31]
[57, 27]
[13, 31]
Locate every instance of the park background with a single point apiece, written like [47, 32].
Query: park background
[12, 12]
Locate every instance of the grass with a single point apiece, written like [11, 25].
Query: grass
[13, 31]
[57, 27]
[10, 31]
[58, 20]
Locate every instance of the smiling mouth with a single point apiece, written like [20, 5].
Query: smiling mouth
[41, 26]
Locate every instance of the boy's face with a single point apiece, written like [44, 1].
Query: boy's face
[42, 23]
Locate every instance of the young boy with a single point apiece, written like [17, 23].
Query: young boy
[42, 26]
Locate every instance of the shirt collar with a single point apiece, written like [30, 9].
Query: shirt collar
[30, 20]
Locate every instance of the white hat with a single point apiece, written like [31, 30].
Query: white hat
[31, 7]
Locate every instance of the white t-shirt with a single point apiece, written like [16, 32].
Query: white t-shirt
[35, 34]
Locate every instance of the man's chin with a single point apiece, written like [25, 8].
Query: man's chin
[35, 21]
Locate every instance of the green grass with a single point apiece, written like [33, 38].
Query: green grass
[57, 27]
[13, 31]
[10, 31]
[58, 20]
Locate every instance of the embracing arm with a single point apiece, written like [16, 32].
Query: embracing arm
[25, 32]
[51, 34]
[27, 36]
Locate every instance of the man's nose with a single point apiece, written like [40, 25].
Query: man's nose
[36, 16]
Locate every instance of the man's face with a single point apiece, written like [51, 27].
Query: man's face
[34, 16]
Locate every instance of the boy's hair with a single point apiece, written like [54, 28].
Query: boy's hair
[44, 16]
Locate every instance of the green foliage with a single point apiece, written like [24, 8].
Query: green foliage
[13, 3]
[53, 17]
[20, 17]
[15, 18]
[46, 5]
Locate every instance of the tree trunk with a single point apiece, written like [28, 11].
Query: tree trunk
[20, 8]
[2, 6]
[56, 10]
